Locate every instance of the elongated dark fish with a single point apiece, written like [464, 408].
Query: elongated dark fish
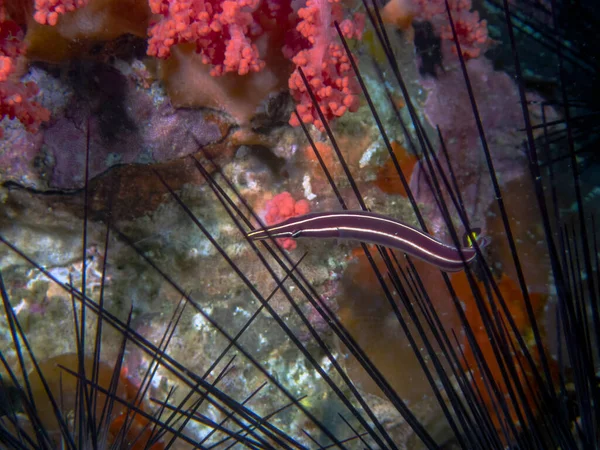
[371, 228]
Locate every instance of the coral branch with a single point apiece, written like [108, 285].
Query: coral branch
[223, 31]
[16, 98]
[48, 11]
[325, 63]
[472, 32]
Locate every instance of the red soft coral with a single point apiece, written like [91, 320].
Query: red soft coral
[16, 98]
[16, 102]
[11, 47]
[325, 63]
[226, 32]
[472, 32]
[223, 31]
[48, 11]
[282, 207]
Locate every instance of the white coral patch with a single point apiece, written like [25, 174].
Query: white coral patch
[367, 156]
[308, 193]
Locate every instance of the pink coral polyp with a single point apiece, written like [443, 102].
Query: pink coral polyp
[223, 32]
[16, 98]
[48, 11]
[16, 102]
[325, 63]
[283, 207]
[471, 32]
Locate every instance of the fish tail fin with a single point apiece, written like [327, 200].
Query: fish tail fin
[476, 236]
